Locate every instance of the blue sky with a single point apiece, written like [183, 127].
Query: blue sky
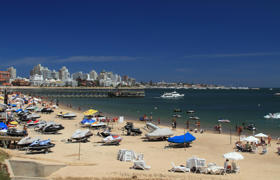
[221, 42]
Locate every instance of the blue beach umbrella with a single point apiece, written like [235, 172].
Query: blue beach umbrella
[186, 138]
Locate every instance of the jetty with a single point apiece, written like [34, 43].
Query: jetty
[77, 91]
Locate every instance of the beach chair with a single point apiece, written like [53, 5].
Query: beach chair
[212, 168]
[140, 164]
[197, 165]
[126, 155]
[179, 168]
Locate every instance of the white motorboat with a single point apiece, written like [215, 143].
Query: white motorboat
[272, 116]
[172, 95]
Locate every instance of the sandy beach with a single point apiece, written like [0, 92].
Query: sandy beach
[100, 162]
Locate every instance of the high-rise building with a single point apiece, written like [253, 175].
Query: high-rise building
[77, 75]
[13, 72]
[93, 75]
[47, 74]
[36, 70]
[55, 75]
[64, 74]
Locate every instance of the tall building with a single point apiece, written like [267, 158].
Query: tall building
[55, 75]
[13, 72]
[47, 74]
[64, 74]
[36, 70]
[93, 75]
[77, 75]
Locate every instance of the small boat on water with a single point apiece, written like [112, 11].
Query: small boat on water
[190, 111]
[224, 121]
[194, 117]
[177, 115]
[172, 95]
[277, 94]
[177, 110]
[272, 116]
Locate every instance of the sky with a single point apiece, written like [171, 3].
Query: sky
[215, 42]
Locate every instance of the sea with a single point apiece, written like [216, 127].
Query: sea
[241, 107]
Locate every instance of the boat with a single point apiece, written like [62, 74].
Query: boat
[172, 95]
[80, 136]
[251, 127]
[40, 145]
[194, 118]
[112, 140]
[67, 115]
[272, 116]
[158, 133]
[224, 121]
[190, 111]
[177, 115]
[98, 125]
[177, 110]
[277, 94]
[182, 139]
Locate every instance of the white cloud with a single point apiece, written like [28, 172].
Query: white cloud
[97, 59]
[231, 55]
[57, 59]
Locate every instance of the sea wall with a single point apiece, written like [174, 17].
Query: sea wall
[79, 91]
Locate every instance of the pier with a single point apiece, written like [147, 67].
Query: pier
[80, 92]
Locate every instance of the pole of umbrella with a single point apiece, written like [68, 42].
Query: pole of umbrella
[79, 151]
[185, 140]
[230, 133]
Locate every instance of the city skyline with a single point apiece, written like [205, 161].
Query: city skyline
[229, 43]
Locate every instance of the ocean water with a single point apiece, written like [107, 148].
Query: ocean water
[239, 106]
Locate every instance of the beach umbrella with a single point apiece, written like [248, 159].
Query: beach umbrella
[251, 139]
[90, 112]
[260, 135]
[233, 156]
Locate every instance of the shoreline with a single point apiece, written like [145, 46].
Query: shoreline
[162, 124]
[100, 162]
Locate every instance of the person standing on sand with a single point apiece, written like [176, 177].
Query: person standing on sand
[158, 120]
[226, 165]
[174, 124]
[188, 124]
[269, 140]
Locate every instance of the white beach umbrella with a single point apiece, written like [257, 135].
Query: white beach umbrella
[261, 135]
[251, 139]
[233, 156]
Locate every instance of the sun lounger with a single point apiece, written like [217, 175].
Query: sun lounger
[212, 168]
[140, 164]
[179, 168]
